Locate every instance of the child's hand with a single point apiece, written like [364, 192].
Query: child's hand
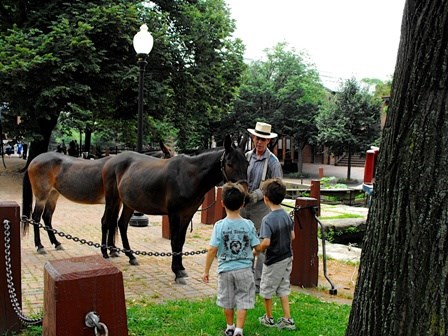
[254, 252]
[205, 277]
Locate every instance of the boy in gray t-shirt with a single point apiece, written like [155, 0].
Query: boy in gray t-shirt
[277, 232]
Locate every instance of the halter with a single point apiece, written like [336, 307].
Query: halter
[223, 170]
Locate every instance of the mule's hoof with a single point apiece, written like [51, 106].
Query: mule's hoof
[59, 247]
[183, 274]
[180, 281]
[114, 254]
[133, 262]
[41, 250]
[105, 256]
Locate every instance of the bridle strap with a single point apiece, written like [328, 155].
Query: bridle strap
[223, 170]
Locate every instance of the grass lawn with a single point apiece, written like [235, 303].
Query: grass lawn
[203, 318]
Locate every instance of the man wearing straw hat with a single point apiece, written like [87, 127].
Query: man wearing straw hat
[263, 165]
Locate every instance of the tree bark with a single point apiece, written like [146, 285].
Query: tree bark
[39, 146]
[300, 146]
[87, 139]
[402, 286]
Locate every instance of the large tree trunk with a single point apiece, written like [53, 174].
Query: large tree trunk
[402, 286]
[300, 146]
[87, 139]
[41, 145]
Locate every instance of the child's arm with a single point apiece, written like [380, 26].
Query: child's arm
[293, 235]
[265, 243]
[211, 254]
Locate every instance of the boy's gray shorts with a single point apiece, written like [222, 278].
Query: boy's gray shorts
[275, 279]
[236, 289]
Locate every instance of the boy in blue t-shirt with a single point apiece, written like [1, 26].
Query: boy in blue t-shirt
[277, 232]
[232, 241]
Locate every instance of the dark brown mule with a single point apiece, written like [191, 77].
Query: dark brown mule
[175, 187]
[52, 174]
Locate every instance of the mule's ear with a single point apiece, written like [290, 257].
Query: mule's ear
[243, 142]
[164, 148]
[228, 143]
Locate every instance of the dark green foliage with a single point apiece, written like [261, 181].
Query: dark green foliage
[283, 90]
[76, 60]
[352, 123]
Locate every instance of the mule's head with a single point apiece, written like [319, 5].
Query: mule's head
[234, 163]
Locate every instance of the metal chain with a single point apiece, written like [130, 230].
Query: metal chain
[10, 281]
[92, 320]
[112, 248]
[206, 208]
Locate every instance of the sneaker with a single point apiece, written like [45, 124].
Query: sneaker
[266, 321]
[287, 324]
[239, 334]
[229, 332]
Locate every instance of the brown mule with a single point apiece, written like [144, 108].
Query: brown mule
[175, 187]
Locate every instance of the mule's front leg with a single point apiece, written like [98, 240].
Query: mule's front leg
[178, 233]
[108, 229]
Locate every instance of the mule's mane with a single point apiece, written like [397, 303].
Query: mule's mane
[206, 156]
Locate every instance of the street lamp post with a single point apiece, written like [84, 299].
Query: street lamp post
[143, 43]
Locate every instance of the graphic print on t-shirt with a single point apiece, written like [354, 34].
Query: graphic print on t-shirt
[236, 244]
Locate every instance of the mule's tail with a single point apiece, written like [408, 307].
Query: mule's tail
[27, 201]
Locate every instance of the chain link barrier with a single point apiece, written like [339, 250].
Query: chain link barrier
[10, 280]
[111, 248]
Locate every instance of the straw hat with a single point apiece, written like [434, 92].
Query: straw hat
[262, 130]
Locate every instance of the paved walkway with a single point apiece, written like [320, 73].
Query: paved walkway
[152, 279]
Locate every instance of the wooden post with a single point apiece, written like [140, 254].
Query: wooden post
[220, 211]
[369, 166]
[208, 207]
[321, 172]
[305, 263]
[9, 321]
[166, 233]
[76, 286]
[315, 193]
